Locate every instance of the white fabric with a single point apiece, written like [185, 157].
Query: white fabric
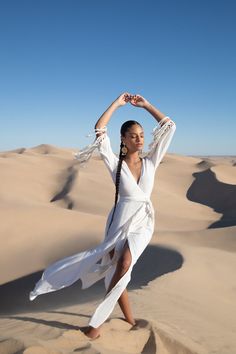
[133, 221]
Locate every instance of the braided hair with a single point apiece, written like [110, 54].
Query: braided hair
[124, 128]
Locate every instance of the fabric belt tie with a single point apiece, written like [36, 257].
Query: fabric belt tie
[150, 212]
[145, 199]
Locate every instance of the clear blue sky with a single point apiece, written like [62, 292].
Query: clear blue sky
[63, 62]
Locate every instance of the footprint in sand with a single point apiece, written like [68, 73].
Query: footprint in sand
[117, 337]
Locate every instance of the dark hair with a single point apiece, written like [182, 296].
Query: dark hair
[124, 128]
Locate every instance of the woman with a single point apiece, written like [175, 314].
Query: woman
[130, 223]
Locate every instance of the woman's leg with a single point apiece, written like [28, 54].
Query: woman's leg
[123, 265]
[123, 299]
[125, 307]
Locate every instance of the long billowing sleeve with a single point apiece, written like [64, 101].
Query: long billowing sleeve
[162, 136]
[103, 145]
[107, 154]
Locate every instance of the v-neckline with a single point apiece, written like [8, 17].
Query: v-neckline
[141, 173]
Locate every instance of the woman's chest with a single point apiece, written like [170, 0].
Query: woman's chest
[128, 184]
[135, 170]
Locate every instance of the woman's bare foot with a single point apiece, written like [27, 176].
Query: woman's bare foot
[92, 332]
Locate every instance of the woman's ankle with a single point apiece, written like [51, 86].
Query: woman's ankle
[131, 321]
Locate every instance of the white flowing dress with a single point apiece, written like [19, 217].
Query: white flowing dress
[133, 221]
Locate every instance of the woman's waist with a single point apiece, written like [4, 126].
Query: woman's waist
[135, 198]
[144, 200]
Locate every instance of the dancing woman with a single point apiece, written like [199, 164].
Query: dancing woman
[130, 223]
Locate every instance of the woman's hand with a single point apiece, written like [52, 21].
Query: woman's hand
[123, 99]
[105, 117]
[138, 101]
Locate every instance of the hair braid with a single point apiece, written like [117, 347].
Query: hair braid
[121, 158]
[124, 128]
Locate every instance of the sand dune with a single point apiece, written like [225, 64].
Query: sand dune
[183, 286]
[225, 173]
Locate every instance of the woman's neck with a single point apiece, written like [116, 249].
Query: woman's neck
[132, 157]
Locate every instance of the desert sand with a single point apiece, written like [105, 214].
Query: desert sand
[183, 287]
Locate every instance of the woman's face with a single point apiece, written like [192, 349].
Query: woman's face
[134, 138]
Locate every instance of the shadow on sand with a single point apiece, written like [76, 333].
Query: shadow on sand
[154, 262]
[220, 196]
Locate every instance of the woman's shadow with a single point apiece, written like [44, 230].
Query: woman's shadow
[154, 262]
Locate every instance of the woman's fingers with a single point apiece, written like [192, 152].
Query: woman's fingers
[127, 95]
[124, 98]
[135, 100]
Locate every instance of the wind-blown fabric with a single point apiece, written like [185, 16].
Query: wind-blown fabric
[133, 222]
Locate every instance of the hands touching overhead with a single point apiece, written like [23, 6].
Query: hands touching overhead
[135, 100]
[140, 101]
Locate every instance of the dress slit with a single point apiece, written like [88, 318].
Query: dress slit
[126, 242]
[107, 305]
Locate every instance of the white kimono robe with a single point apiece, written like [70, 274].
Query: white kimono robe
[133, 221]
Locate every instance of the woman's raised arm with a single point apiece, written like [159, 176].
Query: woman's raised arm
[140, 101]
[105, 117]
[102, 141]
[162, 134]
